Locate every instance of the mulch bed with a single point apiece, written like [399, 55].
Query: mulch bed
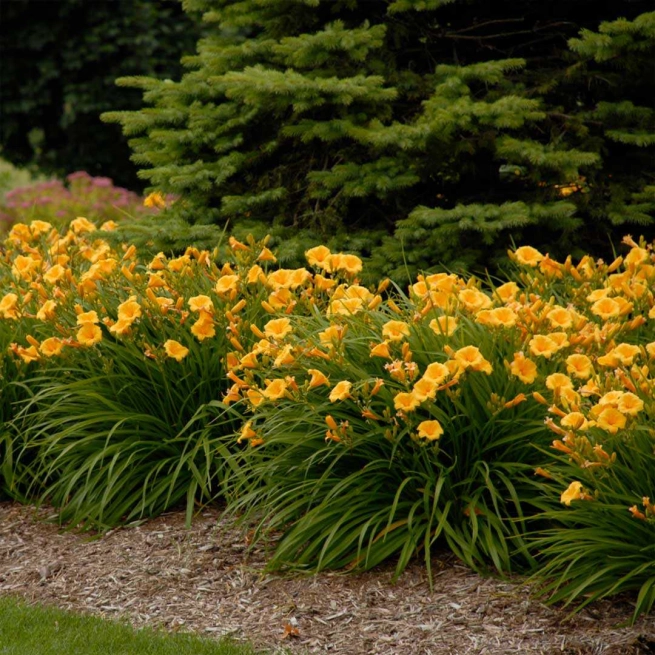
[203, 580]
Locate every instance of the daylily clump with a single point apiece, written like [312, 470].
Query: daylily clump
[551, 373]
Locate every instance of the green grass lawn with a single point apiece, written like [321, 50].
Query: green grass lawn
[26, 630]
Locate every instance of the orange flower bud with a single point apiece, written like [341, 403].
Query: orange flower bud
[32, 341]
[543, 473]
[393, 307]
[384, 285]
[331, 423]
[558, 445]
[237, 380]
[235, 342]
[379, 383]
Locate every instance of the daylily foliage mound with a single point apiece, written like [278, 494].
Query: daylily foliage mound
[512, 421]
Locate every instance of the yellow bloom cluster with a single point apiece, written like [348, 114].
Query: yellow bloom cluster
[579, 334]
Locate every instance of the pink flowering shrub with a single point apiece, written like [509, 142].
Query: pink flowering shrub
[56, 202]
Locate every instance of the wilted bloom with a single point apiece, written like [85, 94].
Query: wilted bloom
[175, 350]
[247, 432]
[28, 355]
[551, 267]
[430, 430]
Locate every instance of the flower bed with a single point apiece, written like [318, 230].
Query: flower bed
[511, 421]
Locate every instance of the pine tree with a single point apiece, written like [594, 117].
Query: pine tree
[419, 132]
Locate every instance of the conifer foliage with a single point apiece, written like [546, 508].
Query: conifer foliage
[418, 132]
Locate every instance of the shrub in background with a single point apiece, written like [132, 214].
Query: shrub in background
[453, 126]
[60, 60]
[95, 198]
[12, 178]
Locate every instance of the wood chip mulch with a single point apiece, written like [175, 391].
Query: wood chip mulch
[203, 580]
